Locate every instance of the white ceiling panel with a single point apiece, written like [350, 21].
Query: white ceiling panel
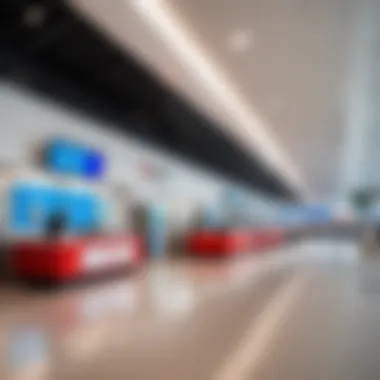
[286, 61]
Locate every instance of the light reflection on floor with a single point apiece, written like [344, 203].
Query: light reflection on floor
[167, 311]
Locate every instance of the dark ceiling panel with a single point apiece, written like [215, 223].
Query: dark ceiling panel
[65, 57]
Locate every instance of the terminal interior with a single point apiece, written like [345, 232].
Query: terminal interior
[189, 190]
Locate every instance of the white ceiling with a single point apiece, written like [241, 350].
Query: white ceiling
[283, 88]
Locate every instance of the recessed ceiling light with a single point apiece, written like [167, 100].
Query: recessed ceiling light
[165, 21]
[34, 16]
[240, 40]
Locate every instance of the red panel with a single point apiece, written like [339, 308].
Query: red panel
[68, 259]
[219, 243]
[231, 242]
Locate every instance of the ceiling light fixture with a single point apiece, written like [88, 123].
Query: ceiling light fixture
[240, 40]
[168, 25]
[34, 16]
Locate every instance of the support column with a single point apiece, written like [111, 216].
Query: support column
[359, 110]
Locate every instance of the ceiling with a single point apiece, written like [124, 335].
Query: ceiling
[294, 72]
[142, 26]
[56, 51]
[288, 77]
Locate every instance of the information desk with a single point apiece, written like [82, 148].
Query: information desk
[224, 242]
[229, 242]
[72, 258]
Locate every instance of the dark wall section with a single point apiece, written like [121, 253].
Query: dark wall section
[46, 46]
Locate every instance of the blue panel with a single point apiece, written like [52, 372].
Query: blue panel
[65, 157]
[30, 206]
[81, 210]
[93, 165]
[91, 214]
[20, 209]
[77, 212]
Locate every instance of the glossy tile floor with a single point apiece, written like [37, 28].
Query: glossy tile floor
[310, 311]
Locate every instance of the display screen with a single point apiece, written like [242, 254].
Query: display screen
[65, 157]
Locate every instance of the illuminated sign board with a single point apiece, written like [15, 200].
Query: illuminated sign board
[66, 157]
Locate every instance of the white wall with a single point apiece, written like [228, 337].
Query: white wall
[27, 120]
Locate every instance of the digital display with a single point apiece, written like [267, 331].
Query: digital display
[65, 157]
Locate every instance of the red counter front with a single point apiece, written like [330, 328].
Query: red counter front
[218, 243]
[224, 243]
[72, 258]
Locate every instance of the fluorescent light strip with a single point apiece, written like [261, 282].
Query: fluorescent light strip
[167, 23]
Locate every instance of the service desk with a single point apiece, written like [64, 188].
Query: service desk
[230, 242]
[218, 243]
[70, 258]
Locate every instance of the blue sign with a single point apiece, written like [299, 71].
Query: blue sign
[309, 214]
[31, 205]
[65, 157]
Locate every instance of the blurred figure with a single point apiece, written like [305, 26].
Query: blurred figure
[56, 225]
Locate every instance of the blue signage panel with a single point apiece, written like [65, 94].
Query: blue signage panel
[312, 213]
[65, 157]
[31, 205]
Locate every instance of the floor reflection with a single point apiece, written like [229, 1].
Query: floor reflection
[169, 314]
